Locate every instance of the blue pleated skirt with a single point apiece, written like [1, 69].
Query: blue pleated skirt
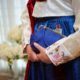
[67, 71]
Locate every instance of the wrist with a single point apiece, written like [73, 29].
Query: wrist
[25, 49]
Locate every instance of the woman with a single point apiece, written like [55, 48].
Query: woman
[55, 14]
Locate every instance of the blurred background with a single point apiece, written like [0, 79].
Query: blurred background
[10, 12]
[12, 60]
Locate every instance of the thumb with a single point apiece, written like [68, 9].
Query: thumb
[38, 46]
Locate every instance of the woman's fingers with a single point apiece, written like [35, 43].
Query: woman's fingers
[33, 57]
[44, 58]
[31, 54]
[40, 48]
[42, 55]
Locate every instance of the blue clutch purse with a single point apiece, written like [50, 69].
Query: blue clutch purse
[44, 36]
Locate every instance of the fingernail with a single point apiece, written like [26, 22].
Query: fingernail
[35, 43]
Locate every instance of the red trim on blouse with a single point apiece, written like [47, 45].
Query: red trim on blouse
[30, 7]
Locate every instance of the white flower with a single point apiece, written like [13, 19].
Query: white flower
[15, 34]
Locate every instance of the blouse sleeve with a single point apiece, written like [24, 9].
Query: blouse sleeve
[26, 31]
[65, 49]
[76, 9]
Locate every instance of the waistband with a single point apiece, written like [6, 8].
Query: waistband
[42, 19]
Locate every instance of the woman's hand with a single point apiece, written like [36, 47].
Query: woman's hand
[42, 56]
[31, 54]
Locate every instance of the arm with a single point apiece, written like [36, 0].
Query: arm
[26, 37]
[26, 32]
[28, 23]
[65, 49]
[76, 8]
[28, 26]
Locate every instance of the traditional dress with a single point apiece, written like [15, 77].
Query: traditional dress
[61, 15]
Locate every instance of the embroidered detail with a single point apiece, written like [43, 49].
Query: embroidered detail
[57, 58]
[58, 29]
[50, 53]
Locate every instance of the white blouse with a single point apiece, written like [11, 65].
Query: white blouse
[51, 8]
[56, 8]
